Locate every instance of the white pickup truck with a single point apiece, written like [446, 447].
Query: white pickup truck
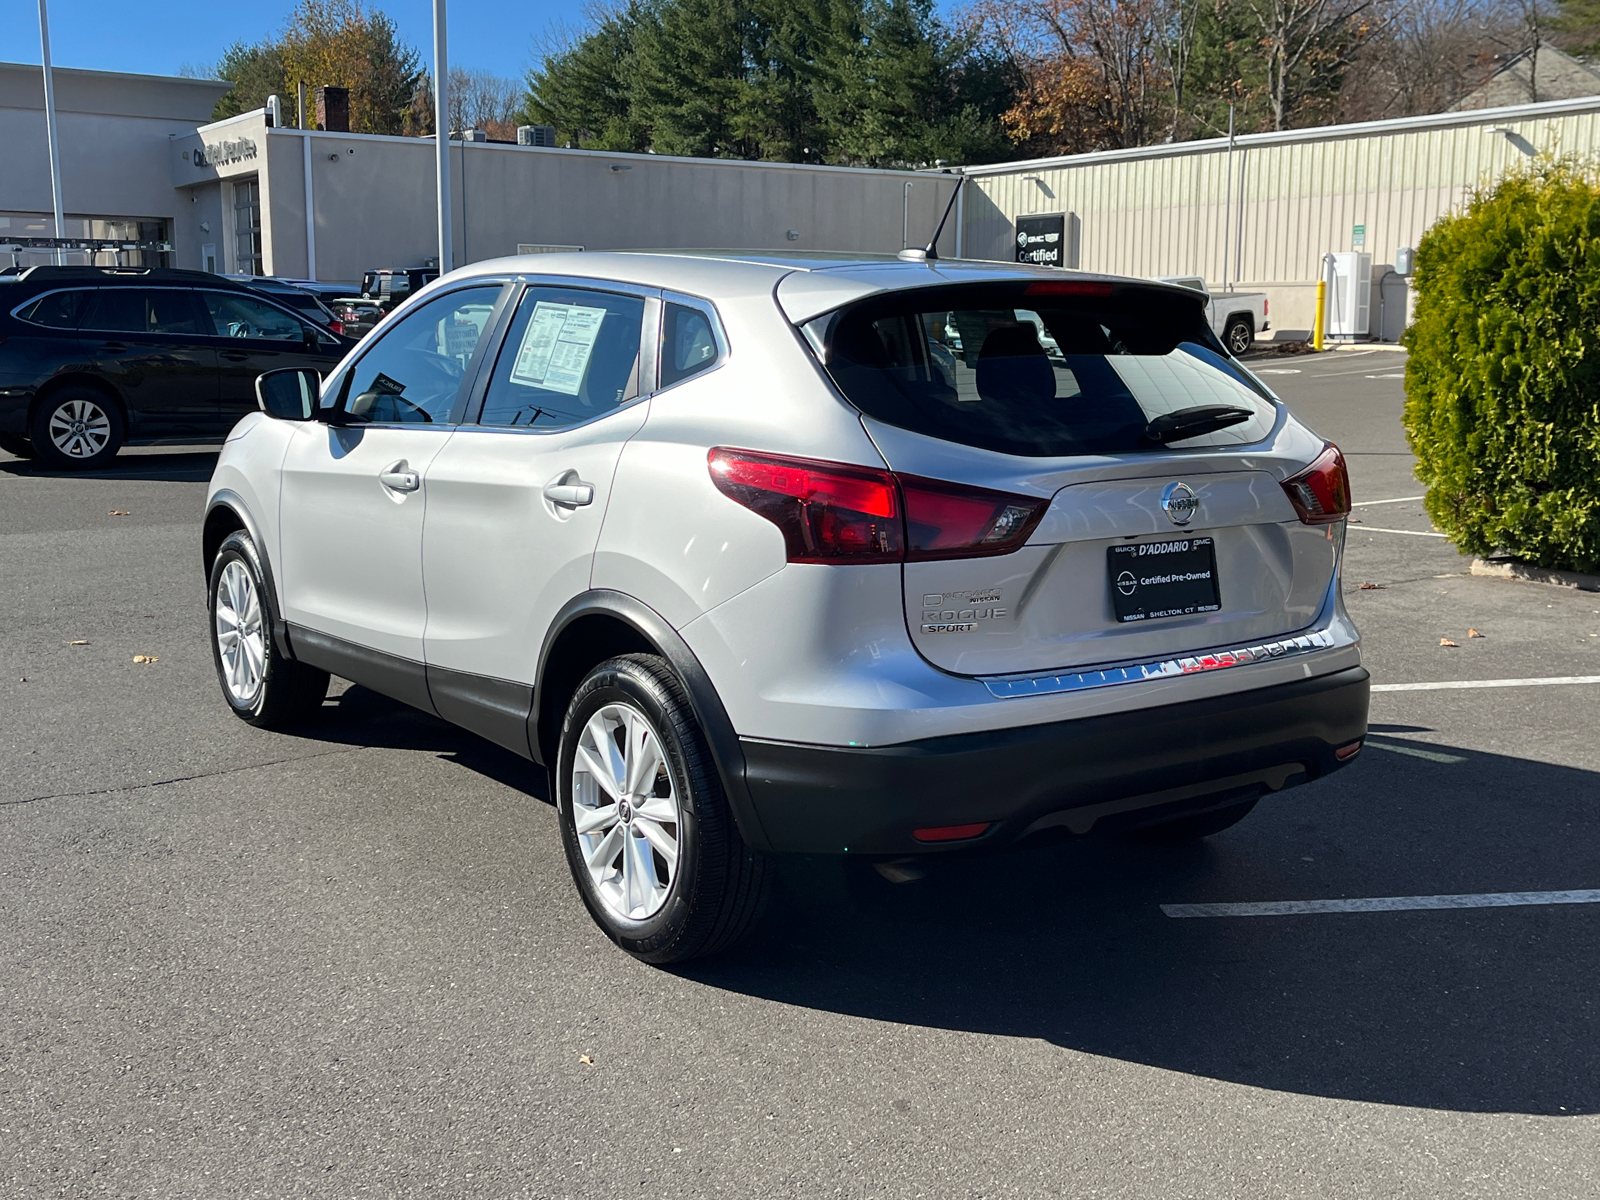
[1236, 317]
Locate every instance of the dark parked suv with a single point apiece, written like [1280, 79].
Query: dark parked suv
[94, 358]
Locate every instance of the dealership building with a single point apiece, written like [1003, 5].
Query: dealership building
[148, 178]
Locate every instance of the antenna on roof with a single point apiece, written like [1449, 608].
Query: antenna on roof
[930, 252]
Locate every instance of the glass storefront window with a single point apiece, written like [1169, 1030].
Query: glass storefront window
[143, 234]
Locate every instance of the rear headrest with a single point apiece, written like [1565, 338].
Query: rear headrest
[1012, 367]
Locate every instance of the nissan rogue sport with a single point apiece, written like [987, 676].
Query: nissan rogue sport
[761, 554]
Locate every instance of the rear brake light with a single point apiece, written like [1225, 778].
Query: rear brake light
[951, 833]
[835, 512]
[1068, 287]
[827, 512]
[1264, 308]
[1321, 493]
[336, 327]
[951, 520]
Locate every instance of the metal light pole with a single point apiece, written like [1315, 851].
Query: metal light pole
[50, 125]
[441, 130]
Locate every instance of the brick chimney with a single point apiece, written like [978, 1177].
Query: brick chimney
[333, 109]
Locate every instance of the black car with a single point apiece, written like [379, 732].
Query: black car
[93, 358]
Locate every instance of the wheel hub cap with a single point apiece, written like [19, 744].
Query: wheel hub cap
[625, 812]
[240, 633]
[79, 429]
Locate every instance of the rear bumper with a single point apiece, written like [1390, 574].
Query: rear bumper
[1117, 770]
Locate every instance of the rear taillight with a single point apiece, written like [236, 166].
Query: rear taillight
[1264, 303]
[834, 512]
[828, 512]
[951, 520]
[1321, 493]
[336, 327]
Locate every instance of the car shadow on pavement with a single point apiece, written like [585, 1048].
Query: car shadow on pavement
[1486, 1010]
[361, 717]
[185, 466]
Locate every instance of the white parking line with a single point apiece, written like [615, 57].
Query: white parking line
[1290, 908]
[1414, 752]
[1451, 685]
[1411, 532]
[1396, 500]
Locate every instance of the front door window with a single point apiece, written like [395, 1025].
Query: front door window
[415, 372]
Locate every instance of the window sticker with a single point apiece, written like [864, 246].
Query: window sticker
[556, 347]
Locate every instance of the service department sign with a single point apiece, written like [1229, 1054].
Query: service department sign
[1042, 240]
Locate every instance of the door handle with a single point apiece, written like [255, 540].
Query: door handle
[569, 495]
[114, 347]
[235, 355]
[400, 478]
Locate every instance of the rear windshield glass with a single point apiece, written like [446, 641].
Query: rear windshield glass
[1043, 369]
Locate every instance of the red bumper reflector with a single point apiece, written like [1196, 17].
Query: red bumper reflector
[951, 833]
[1346, 753]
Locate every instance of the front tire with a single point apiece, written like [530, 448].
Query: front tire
[644, 821]
[260, 684]
[76, 429]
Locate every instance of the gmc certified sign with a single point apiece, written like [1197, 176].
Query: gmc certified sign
[1042, 240]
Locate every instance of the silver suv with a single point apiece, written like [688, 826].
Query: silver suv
[760, 554]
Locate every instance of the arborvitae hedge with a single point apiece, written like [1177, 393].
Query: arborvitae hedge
[1503, 383]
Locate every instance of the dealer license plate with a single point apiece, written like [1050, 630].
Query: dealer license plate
[1163, 579]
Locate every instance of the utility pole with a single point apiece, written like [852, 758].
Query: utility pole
[50, 128]
[1227, 210]
[441, 132]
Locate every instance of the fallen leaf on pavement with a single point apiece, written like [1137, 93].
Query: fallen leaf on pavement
[145, 658]
[1372, 587]
[79, 642]
[586, 1060]
[117, 512]
[1446, 642]
[1472, 633]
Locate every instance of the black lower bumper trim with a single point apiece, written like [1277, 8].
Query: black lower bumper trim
[1089, 773]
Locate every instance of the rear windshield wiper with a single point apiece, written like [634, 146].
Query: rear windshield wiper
[1192, 422]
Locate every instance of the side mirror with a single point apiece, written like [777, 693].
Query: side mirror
[290, 394]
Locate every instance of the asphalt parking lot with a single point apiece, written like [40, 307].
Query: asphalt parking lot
[351, 961]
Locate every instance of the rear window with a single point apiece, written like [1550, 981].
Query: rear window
[1043, 369]
[57, 310]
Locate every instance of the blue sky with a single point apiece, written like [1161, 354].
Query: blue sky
[158, 39]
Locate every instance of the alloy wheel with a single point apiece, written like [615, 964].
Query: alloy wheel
[241, 634]
[80, 429]
[625, 811]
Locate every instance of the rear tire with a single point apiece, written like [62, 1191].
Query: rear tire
[645, 824]
[17, 444]
[261, 685]
[1200, 825]
[77, 429]
[1238, 336]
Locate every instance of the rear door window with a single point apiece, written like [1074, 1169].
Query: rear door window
[58, 310]
[1042, 369]
[570, 354]
[138, 310]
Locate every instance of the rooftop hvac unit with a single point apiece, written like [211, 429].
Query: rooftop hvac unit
[1349, 295]
[536, 135]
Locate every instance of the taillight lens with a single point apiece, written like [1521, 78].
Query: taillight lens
[1321, 493]
[828, 512]
[834, 512]
[951, 520]
[336, 327]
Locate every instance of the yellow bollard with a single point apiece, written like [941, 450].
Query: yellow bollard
[1322, 308]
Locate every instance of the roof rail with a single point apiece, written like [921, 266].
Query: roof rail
[153, 274]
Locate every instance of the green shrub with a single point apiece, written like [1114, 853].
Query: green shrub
[1503, 383]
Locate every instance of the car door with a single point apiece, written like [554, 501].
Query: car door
[517, 497]
[355, 486]
[252, 336]
[148, 342]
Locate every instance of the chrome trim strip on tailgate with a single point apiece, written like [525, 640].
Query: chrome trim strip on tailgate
[1012, 687]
